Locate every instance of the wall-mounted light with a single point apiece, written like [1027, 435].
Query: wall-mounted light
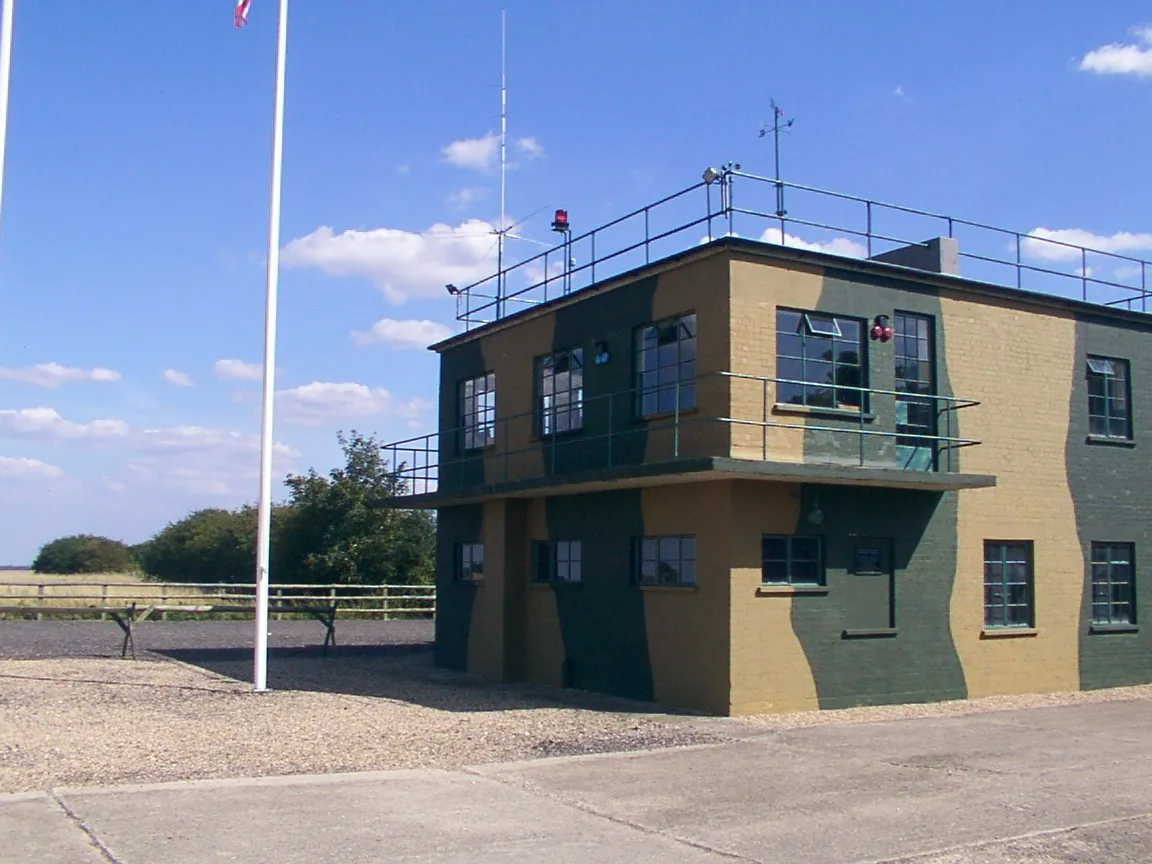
[452, 289]
[881, 330]
[711, 175]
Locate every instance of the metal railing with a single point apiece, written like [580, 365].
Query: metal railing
[614, 432]
[837, 223]
[351, 600]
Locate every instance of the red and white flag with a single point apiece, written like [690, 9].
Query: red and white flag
[240, 18]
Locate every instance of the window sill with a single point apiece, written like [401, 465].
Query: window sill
[670, 589]
[787, 590]
[1007, 632]
[817, 411]
[1109, 441]
[667, 415]
[1113, 628]
[871, 633]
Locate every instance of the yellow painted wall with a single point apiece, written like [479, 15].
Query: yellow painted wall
[486, 635]
[544, 643]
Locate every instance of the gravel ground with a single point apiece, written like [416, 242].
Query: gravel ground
[72, 715]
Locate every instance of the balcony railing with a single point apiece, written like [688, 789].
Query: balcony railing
[721, 414]
[1040, 260]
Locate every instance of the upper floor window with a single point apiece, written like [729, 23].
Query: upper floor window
[470, 562]
[560, 389]
[1112, 583]
[666, 365]
[1008, 583]
[788, 560]
[666, 560]
[478, 411]
[1109, 411]
[557, 561]
[819, 358]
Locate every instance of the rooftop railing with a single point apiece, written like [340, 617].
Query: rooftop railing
[728, 202]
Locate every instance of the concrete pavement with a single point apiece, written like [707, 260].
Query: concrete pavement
[1066, 784]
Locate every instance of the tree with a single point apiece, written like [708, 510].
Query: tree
[211, 545]
[84, 553]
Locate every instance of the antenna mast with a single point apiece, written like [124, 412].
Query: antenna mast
[500, 228]
[775, 129]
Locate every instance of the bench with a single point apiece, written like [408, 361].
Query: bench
[126, 617]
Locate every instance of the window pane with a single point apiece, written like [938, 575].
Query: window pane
[774, 548]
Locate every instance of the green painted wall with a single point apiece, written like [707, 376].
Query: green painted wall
[454, 599]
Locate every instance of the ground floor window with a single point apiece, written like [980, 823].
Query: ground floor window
[1112, 583]
[470, 562]
[1008, 592]
[788, 560]
[665, 560]
[557, 561]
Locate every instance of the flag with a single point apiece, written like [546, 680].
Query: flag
[240, 18]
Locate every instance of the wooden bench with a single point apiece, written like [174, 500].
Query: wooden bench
[126, 617]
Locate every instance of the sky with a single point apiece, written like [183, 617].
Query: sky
[135, 202]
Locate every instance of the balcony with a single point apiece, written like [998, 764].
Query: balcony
[720, 425]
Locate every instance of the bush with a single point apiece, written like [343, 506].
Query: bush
[84, 553]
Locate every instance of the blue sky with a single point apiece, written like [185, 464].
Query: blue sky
[135, 196]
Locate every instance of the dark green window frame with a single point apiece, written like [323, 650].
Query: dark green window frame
[820, 356]
[666, 366]
[469, 562]
[1113, 583]
[787, 559]
[667, 560]
[560, 392]
[558, 561]
[478, 412]
[1009, 586]
[1109, 398]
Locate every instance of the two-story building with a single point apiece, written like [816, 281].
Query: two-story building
[750, 478]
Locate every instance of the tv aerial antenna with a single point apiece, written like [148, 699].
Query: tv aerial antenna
[776, 128]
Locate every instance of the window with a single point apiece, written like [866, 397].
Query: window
[478, 411]
[666, 560]
[666, 366]
[470, 562]
[557, 561]
[1112, 579]
[915, 382]
[1008, 583]
[819, 357]
[560, 391]
[787, 560]
[1108, 408]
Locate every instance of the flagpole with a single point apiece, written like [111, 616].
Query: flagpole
[5, 74]
[264, 518]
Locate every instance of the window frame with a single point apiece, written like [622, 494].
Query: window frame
[811, 328]
[683, 388]
[466, 552]
[821, 578]
[478, 421]
[570, 408]
[1003, 585]
[548, 556]
[657, 544]
[1109, 582]
[1109, 398]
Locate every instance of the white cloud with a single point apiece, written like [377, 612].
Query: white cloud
[52, 375]
[45, 424]
[836, 246]
[324, 403]
[1122, 243]
[18, 468]
[403, 168]
[237, 370]
[199, 459]
[530, 147]
[403, 334]
[177, 379]
[476, 153]
[401, 263]
[1122, 59]
[467, 196]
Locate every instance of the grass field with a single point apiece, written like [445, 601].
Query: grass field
[87, 589]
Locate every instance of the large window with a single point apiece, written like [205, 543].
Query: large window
[560, 390]
[666, 366]
[787, 560]
[819, 357]
[1112, 584]
[1008, 583]
[1109, 414]
[666, 560]
[557, 561]
[470, 562]
[478, 411]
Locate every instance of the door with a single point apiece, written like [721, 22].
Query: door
[871, 600]
[916, 412]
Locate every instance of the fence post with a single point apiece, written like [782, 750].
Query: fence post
[279, 601]
[40, 595]
[104, 600]
[164, 600]
[385, 604]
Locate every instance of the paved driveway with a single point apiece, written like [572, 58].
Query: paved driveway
[1066, 784]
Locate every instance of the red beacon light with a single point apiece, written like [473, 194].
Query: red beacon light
[560, 222]
[881, 331]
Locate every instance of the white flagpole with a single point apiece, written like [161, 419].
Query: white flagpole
[5, 73]
[260, 665]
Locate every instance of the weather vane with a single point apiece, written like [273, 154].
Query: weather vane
[776, 129]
